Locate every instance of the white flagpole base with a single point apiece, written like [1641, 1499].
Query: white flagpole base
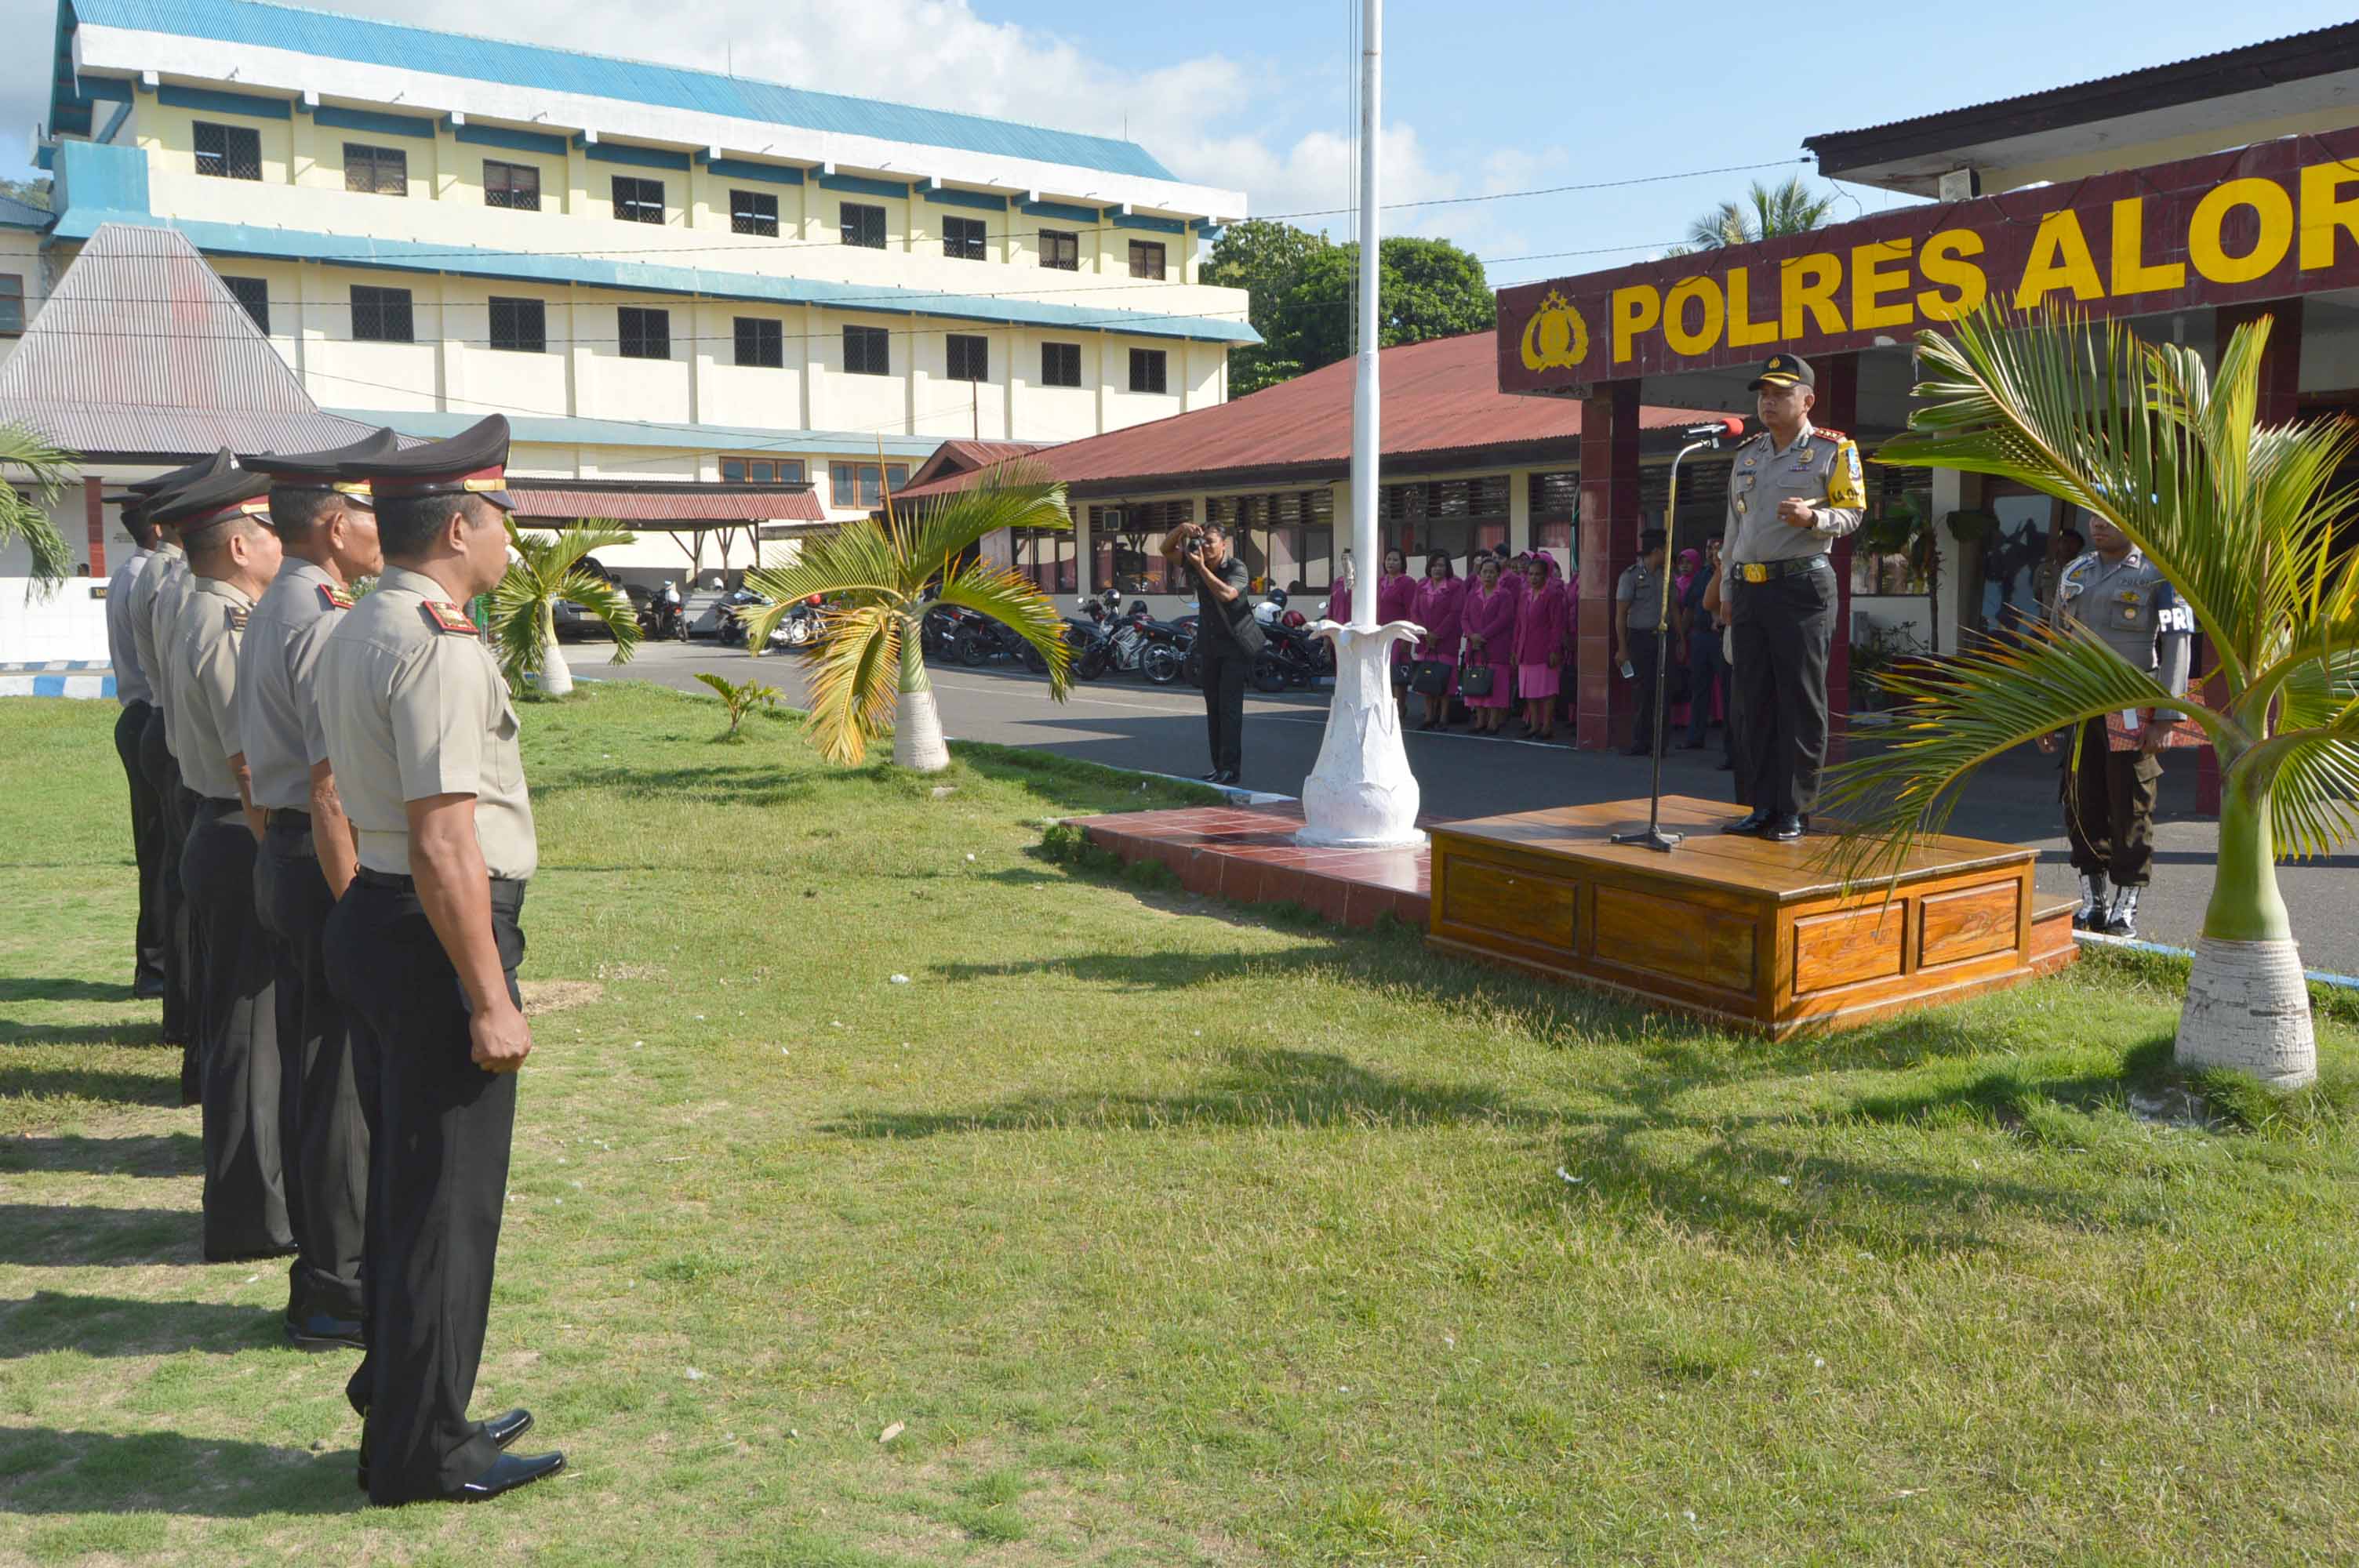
[1362, 795]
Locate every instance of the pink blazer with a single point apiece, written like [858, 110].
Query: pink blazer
[1491, 617]
[1440, 609]
[1339, 603]
[1542, 626]
[1395, 598]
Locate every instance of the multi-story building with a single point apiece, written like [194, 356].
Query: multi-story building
[659, 274]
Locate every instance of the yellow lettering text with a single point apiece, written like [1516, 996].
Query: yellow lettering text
[1808, 282]
[1706, 336]
[1743, 332]
[2325, 210]
[2059, 259]
[1635, 309]
[1943, 264]
[2131, 274]
[1878, 268]
[2269, 204]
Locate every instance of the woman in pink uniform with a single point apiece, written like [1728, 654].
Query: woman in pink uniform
[1490, 621]
[1439, 608]
[1541, 629]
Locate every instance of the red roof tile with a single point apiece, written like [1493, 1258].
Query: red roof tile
[661, 505]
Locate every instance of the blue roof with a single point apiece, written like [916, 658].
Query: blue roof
[572, 432]
[370, 42]
[78, 222]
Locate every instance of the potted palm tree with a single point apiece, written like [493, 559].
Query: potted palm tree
[2242, 519]
[548, 568]
[24, 520]
[880, 577]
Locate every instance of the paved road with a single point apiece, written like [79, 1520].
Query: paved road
[1126, 723]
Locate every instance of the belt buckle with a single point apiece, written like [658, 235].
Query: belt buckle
[1754, 571]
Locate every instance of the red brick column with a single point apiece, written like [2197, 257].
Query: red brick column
[1604, 704]
[1837, 408]
[94, 511]
[2277, 405]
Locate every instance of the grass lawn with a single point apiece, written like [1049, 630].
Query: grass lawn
[1157, 1235]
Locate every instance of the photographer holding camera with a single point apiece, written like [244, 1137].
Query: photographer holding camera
[1227, 635]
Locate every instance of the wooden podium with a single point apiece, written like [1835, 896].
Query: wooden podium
[1747, 933]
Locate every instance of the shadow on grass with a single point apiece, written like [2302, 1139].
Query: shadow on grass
[144, 1032]
[52, 987]
[149, 1155]
[1261, 1088]
[44, 1470]
[111, 1325]
[739, 783]
[88, 1083]
[68, 1236]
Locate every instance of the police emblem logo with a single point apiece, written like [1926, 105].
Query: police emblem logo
[334, 597]
[447, 617]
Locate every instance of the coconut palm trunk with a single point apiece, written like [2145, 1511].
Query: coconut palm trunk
[556, 674]
[2247, 1007]
[918, 741]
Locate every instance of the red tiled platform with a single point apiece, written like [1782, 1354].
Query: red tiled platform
[1249, 856]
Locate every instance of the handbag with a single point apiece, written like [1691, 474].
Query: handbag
[1402, 670]
[1474, 681]
[1432, 679]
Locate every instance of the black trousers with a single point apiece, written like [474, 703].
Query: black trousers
[439, 1173]
[170, 899]
[1225, 670]
[322, 1134]
[1779, 684]
[146, 842]
[2109, 809]
[1707, 669]
[245, 1201]
[1646, 660]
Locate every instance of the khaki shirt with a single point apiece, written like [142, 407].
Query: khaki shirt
[413, 705]
[2133, 608]
[1642, 590]
[122, 649]
[1822, 467]
[275, 671]
[212, 622]
[171, 587]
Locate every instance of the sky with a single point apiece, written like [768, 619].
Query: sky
[1481, 97]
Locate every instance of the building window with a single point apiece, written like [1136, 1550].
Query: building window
[12, 304]
[646, 334]
[864, 225]
[255, 294]
[1146, 259]
[761, 470]
[1123, 544]
[381, 315]
[520, 326]
[376, 171]
[970, 357]
[963, 238]
[761, 343]
[1285, 539]
[1147, 370]
[863, 484]
[867, 351]
[1060, 364]
[514, 185]
[753, 212]
[638, 201]
[229, 152]
[1060, 250]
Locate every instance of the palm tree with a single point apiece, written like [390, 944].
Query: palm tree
[880, 577]
[1763, 214]
[524, 607]
[2243, 521]
[26, 520]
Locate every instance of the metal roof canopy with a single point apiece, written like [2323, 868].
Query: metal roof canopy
[142, 353]
[655, 506]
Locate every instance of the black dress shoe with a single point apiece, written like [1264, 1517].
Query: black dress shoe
[1232, 776]
[502, 1429]
[1785, 829]
[147, 987]
[1639, 751]
[1751, 824]
[321, 1332]
[1726, 766]
[1212, 777]
[508, 1472]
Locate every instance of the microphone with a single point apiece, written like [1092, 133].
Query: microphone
[1726, 428]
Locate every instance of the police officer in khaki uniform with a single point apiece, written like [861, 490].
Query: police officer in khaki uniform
[423, 948]
[162, 582]
[1793, 490]
[138, 701]
[2118, 594]
[328, 529]
[233, 555]
[1638, 630]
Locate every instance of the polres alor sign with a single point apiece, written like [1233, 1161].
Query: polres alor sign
[2266, 222]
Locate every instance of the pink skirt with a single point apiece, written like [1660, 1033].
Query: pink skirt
[1499, 697]
[1536, 681]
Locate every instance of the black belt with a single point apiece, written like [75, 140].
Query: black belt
[287, 817]
[1763, 571]
[505, 889]
[217, 805]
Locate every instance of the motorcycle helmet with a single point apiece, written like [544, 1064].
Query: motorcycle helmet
[1294, 618]
[1278, 597]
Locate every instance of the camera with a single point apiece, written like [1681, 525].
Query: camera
[1194, 547]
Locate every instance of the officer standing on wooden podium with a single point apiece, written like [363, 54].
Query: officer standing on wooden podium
[423, 948]
[1793, 490]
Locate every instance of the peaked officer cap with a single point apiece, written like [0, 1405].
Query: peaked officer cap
[207, 502]
[328, 470]
[1785, 370]
[473, 462]
[162, 484]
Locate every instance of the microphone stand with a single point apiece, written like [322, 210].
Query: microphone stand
[1654, 836]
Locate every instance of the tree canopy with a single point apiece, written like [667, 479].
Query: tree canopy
[1303, 299]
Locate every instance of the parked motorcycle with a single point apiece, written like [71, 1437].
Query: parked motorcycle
[665, 615]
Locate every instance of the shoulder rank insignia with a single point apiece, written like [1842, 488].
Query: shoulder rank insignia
[334, 597]
[444, 616]
[238, 616]
[1830, 434]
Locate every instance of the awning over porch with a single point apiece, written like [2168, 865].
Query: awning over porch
[654, 505]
